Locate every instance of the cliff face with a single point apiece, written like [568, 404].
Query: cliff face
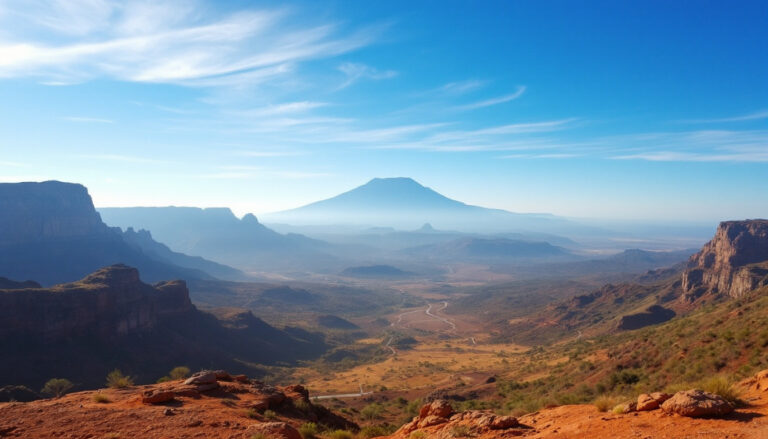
[733, 263]
[108, 303]
[50, 232]
[48, 210]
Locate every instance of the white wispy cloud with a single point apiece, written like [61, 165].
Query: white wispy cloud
[282, 109]
[461, 87]
[758, 115]
[87, 119]
[179, 42]
[494, 101]
[357, 71]
[121, 158]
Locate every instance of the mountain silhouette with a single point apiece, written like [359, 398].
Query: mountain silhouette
[404, 203]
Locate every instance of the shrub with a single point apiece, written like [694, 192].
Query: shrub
[341, 434]
[270, 414]
[377, 430]
[417, 435]
[371, 411]
[100, 398]
[302, 405]
[117, 380]
[309, 430]
[179, 373]
[57, 387]
[723, 387]
[605, 403]
[620, 409]
[163, 379]
[251, 413]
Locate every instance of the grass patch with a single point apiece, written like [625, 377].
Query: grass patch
[605, 403]
[100, 398]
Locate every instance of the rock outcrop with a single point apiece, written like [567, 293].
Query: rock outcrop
[733, 263]
[173, 409]
[109, 303]
[437, 419]
[696, 403]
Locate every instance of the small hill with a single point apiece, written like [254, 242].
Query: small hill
[331, 321]
[468, 248]
[385, 271]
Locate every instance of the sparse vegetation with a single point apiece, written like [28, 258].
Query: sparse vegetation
[341, 434]
[270, 415]
[372, 411]
[722, 386]
[100, 398]
[370, 431]
[57, 387]
[252, 413]
[309, 430]
[418, 434]
[117, 380]
[461, 431]
[179, 373]
[605, 403]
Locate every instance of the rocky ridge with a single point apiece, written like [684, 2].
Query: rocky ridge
[733, 263]
[109, 303]
[211, 404]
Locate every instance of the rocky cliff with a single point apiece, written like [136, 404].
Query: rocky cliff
[733, 263]
[50, 232]
[32, 212]
[109, 303]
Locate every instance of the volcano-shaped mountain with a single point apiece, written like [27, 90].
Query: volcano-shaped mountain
[404, 203]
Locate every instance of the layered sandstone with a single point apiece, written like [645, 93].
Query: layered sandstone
[733, 263]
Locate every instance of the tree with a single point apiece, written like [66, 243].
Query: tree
[117, 380]
[57, 387]
[180, 372]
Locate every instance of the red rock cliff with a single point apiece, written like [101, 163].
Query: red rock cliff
[733, 263]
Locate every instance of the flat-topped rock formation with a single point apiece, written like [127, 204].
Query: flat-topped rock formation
[108, 303]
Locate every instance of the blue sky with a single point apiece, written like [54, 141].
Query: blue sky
[634, 110]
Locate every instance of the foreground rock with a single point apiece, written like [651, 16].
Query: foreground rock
[172, 409]
[437, 419]
[646, 402]
[696, 404]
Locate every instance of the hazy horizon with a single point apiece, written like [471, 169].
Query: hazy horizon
[652, 111]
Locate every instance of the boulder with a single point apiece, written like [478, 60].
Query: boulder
[276, 430]
[157, 396]
[646, 402]
[222, 375]
[188, 391]
[697, 403]
[207, 387]
[440, 408]
[202, 377]
[240, 378]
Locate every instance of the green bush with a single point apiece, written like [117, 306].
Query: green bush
[605, 403]
[723, 387]
[371, 411]
[341, 434]
[377, 430]
[57, 387]
[117, 380]
[309, 430]
[270, 414]
[179, 373]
